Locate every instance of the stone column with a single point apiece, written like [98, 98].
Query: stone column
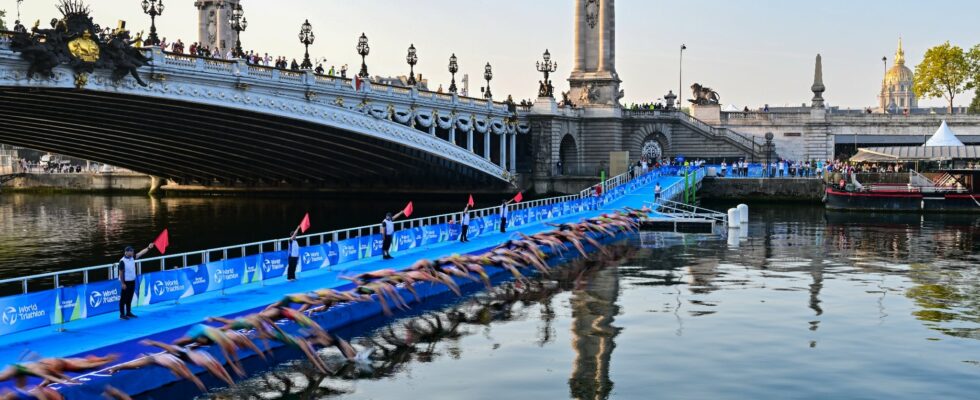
[486, 143]
[579, 35]
[513, 152]
[220, 30]
[603, 35]
[469, 140]
[610, 40]
[452, 133]
[503, 151]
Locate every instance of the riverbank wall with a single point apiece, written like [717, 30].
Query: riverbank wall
[761, 189]
[80, 183]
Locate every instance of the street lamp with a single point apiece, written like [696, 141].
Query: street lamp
[306, 37]
[238, 24]
[453, 69]
[363, 49]
[546, 67]
[680, 78]
[153, 8]
[412, 59]
[488, 75]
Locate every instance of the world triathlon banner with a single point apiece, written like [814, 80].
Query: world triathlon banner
[62, 305]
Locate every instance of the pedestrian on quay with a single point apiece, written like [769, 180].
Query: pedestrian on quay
[127, 279]
[293, 251]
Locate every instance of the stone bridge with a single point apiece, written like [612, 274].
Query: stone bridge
[226, 123]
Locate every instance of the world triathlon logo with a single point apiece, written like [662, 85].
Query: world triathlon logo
[307, 258]
[10, 316]
[267, 265]
[158, 288]
[218, 276]
[95, 299]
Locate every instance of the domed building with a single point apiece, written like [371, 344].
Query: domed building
[896, 89]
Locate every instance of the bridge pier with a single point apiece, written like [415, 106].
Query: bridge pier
[155, 184]
[503, 150]
[513, 151]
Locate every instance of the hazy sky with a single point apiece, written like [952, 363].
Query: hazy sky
[751, 52]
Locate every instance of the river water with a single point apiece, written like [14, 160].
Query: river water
[810, 305]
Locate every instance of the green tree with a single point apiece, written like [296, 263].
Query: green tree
[973, 57]
[943, 73]
[3, 25]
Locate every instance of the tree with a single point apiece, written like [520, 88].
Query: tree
[943, 73]
[973, 58]
[3, 14]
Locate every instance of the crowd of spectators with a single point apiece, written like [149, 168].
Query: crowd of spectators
[251, 57]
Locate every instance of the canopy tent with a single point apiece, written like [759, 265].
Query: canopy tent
[731, 108]
[903, 154]
[944, 137]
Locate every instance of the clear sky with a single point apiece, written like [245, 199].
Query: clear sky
[752, 52]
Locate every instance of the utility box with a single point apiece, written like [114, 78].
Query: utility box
[619, 162]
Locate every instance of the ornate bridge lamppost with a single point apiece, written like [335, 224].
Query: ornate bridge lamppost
[488, 75]
[547, 67]
[153, 8]
[363, 49]
[238, 24]
[306, 37]
[453, 69]
[412, 58]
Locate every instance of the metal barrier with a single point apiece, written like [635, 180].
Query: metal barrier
[194, 258]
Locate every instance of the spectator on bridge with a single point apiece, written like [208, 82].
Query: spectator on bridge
[343, 71]
[782, 167]
[294, 66]
[127, 279]
[293, 253]
[333, 71]
[193, 49]
[319, 69]
[178, 47]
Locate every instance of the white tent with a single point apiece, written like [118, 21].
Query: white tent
[731, 108]
[944, 137]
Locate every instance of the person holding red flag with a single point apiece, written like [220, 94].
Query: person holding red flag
[127, 279]
[293, 249]
[464, 222]
[388, 230]
[504, 212]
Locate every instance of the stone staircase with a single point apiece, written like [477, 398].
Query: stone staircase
[748, 144]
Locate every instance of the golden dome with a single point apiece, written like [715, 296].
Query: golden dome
[899, 74]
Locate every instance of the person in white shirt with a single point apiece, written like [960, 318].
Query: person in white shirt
[127, 278]
[464, 221]
[293, 251]
[656, 192]
[504, 213]
[388, 231]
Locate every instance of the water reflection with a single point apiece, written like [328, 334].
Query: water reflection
[394, 348]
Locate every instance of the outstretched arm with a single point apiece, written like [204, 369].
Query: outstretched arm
[143, 252]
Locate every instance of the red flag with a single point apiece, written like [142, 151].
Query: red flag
[471, 203]
[305, 223]
[162, 241]
[519, 198]
[409, 209]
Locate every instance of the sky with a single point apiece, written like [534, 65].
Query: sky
[751, 52]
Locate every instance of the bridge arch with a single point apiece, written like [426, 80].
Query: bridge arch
[204, 122]
[650, 141]
[568, 155]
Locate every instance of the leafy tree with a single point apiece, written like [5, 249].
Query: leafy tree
[3, 25]
[973, 57]
[943, 73]
[975, 104]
